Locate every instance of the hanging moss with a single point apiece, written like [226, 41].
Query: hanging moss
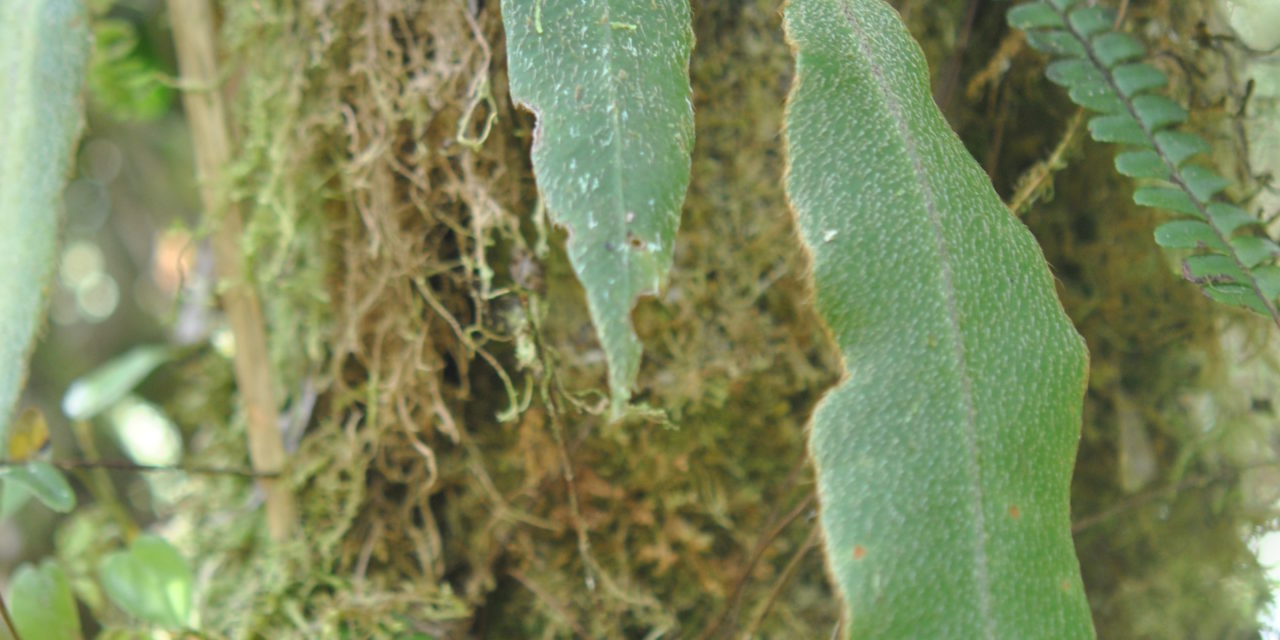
[414, 292]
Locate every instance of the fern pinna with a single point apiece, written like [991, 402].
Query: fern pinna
[1103, 71]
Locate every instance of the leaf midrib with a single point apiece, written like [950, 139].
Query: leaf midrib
[615, 171]
[969, 423]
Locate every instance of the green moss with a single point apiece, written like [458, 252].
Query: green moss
[406, 285]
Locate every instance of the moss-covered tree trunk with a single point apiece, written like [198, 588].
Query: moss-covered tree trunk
[459, 478]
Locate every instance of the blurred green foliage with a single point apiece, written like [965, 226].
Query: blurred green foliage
[126, 80]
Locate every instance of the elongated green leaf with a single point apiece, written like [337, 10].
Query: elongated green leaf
[44, 481]
[151, 581]
[103, 387]
[944, 458]
[41, 603]
[1188, 234]
[44, 49]
[609, 82]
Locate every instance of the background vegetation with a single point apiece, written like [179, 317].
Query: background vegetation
[443, 389]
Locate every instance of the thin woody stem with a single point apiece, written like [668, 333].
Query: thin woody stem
[193, 28]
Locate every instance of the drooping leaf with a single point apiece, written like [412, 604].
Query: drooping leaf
[609, 82]
[150, 580]
[108, 384]
[44, 49]
[41, 603]
[44, 481]
[944, 457]
[1102, 70]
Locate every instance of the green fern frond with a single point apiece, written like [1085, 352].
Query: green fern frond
[1102, 70]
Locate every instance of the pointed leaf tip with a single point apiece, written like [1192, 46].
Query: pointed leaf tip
[609, 83]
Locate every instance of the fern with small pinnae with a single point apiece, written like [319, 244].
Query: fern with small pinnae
[1102, 69]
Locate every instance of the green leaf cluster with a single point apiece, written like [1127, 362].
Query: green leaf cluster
[124, 79]
[149, 580]
[1232, 259]
[42, 605]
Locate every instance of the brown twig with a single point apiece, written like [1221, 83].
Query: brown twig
[193, 29]
[990, 75]
[575, 513]
[952, 74]
[8, 622]
[778, 523]
[810, 541]
[1032, 184]
[1141, 499]
[550, 601]
[98, 481]
[1150, 495]
[125, 465]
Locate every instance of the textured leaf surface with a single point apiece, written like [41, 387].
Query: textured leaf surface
[609, 82]
[944, 458]
[44, 49]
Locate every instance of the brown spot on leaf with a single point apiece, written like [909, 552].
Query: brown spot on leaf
[859, 552]
[1014, 512]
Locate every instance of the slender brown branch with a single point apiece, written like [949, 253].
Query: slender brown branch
[952, 74]
[1141, 499]
[1032, 184]
[193, 30]
[125, 465]
[1138, 500]
[8, 622]
[778, 523]
[550, 601]
[98, 481]
[810, 541]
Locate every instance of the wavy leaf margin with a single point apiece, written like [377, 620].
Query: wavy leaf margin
[944, 457]
[609, 83]
[44, 52]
